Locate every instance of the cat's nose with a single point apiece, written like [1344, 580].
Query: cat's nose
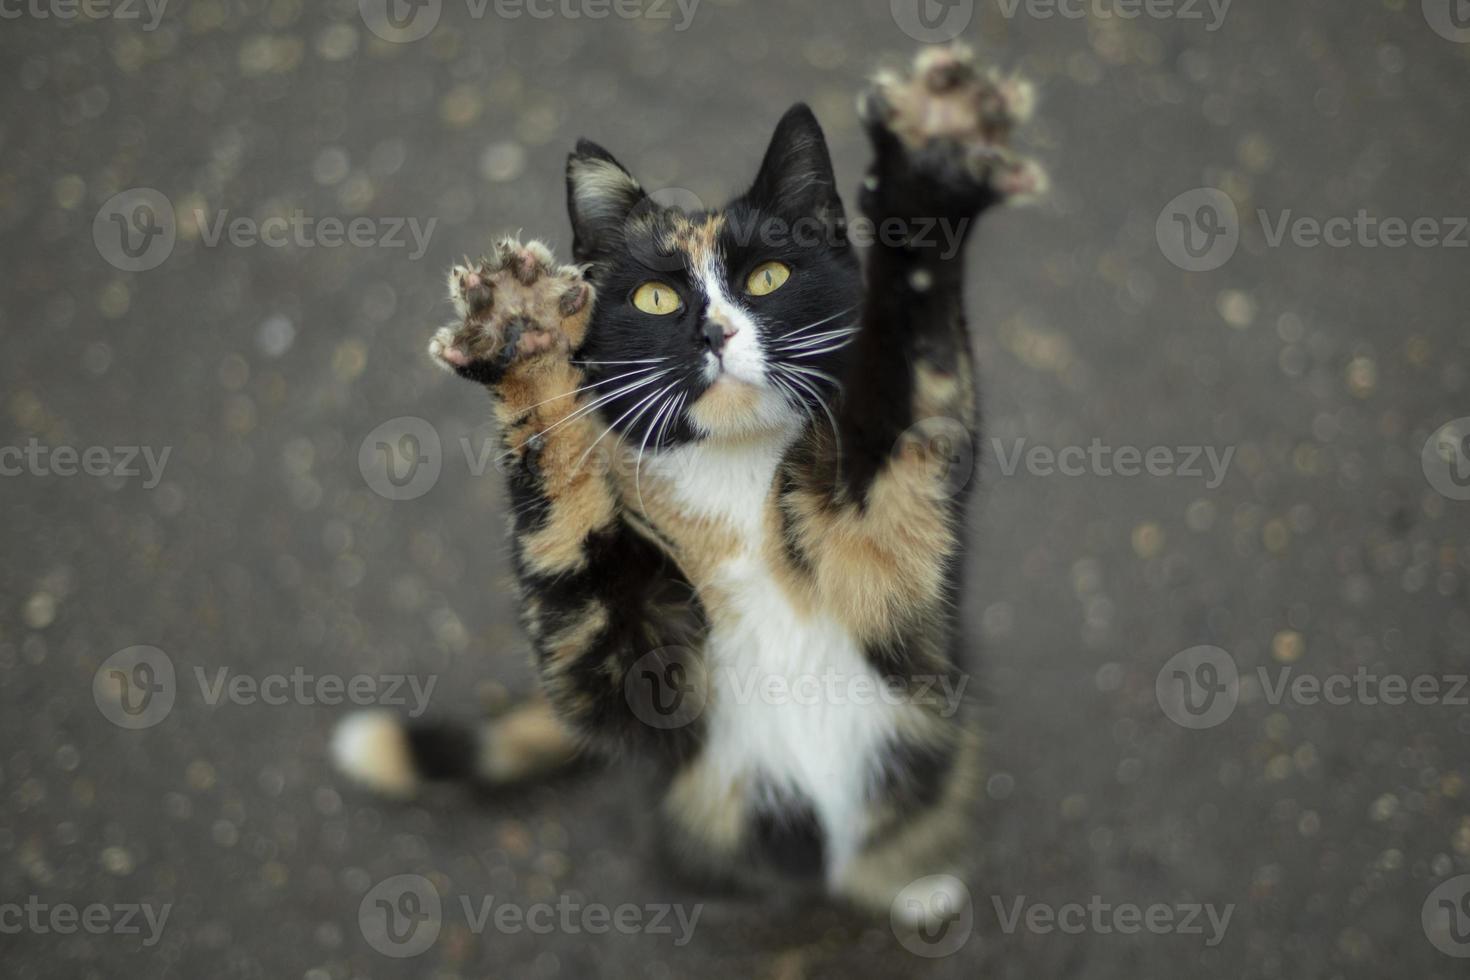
[717, 334]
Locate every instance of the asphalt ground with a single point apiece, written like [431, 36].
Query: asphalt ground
[1329, 819]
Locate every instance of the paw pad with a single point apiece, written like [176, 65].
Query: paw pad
[515, 304]
[947, 109]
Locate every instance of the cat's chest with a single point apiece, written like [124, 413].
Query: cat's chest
[795, 706]
[711, 504]
[727, 485]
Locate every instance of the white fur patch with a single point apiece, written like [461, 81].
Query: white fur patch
[794, 702]
[742, 361]
[742, 356]
[372, 748]
[724, 481]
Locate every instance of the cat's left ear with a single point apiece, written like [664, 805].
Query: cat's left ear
[601, 194]
[796, 178]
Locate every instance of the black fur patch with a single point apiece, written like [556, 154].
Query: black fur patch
[787, 836]
[528, 501]
[443, 752]
[791, 214]
[913, 775]
[790, 541]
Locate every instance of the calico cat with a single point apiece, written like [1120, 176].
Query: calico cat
[759, 585]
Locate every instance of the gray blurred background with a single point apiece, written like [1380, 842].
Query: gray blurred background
[1331, 546]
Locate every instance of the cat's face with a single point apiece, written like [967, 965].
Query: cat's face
[716, 324]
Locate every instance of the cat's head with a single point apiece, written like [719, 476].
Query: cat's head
[721, 323]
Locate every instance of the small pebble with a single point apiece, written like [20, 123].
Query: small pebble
[118, 861]
[40, 610]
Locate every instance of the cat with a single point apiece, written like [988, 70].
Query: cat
[761, 591]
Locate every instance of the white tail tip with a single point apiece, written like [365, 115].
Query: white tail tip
[371, 747]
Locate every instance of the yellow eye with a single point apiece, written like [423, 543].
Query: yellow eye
[767, 279]
[656, 299]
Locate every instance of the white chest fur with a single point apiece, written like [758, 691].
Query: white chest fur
[793, 702]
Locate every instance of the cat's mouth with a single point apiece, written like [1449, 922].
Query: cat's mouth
[729, 371]
[728, 379]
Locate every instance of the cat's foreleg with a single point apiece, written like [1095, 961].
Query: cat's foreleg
[598, 597]
[940, 136]
[876, 520]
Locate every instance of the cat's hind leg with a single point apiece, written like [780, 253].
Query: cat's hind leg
[919, 854]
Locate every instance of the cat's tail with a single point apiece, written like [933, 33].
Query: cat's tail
[396, 756]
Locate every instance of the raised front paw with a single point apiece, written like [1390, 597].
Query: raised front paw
[515, 306]
[941, 131]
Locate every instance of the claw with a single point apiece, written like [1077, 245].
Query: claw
[1019, 96]
[1023, 183]
[515, 305]
[525, 268]
[574, 299]
[960, 118]
[541, 255]
[939, 59]
[505, 251]
[947, 76]
[479, 294]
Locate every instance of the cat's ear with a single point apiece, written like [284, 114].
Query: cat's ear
[600, 196]
[796, 177]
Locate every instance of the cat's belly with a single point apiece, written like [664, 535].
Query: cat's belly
[795, 713]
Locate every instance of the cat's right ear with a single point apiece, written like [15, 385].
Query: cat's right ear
[601, 194]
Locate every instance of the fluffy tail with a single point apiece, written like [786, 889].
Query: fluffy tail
[396, 757]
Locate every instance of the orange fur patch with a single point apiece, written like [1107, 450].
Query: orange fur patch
[527, 741]
[726, 407]
[698, 240]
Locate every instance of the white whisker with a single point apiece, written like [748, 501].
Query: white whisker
[595, 384]
[813, 372]
[821, 337]
[638, 466]
[647, 400]
[796, 398]
[851, 326]
[583, 410]
[820, 350]
[800, 331]
[811, 389]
